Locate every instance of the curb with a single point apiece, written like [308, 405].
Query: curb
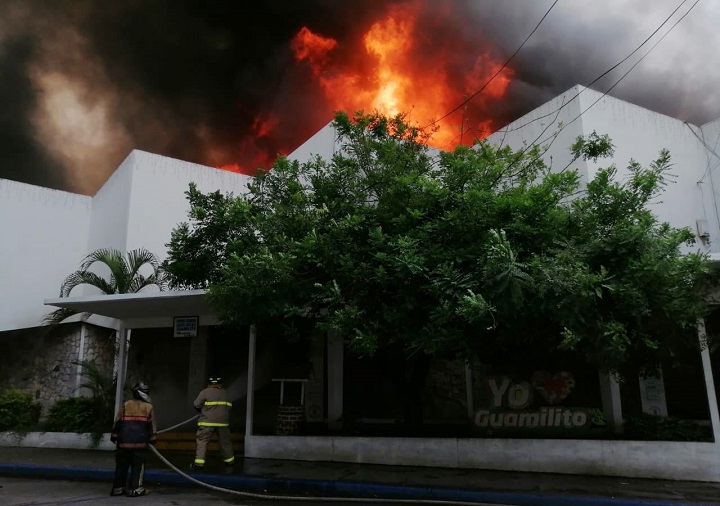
[340, 489]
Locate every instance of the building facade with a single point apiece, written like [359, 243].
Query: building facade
[48, 232]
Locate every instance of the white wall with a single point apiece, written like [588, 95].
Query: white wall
[109, 219]
[157, 200]
[145, 199]
[46, 233]
[553, 126]
[44, 236]
[666, 460]
[710, 181]
[321, 144]
[640, 134]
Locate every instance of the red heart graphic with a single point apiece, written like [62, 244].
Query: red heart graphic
[553, 388]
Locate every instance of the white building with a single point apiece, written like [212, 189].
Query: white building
[46, 233]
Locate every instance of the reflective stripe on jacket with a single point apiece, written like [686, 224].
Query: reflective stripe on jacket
[214, 407]
[134, 425]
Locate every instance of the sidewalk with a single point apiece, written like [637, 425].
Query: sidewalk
[361, 480]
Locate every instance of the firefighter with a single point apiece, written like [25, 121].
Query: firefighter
[214, 408]
[133, 430]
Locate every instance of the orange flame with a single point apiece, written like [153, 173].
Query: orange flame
[397, 69]
[393, 80]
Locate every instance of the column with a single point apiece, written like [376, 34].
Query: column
[81, 357]
[709, 383]
[250, 384]
[612, 405]
[335, 358]
[469, 391]
[123, 341]
[315, 387]
[197, 374]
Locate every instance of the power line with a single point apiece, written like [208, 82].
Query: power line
[708, 171]
[608, 70]
[702, 141]
[504, 65]
[556, 134]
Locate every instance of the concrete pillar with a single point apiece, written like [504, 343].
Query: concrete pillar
[315, 387]
[709, 382]
[123, 341]
[469, 391]
[250, 383]
[612, 405]
[197, 369]
[335, 358]
[81, 357]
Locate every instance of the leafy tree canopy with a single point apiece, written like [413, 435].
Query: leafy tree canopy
[480, 251]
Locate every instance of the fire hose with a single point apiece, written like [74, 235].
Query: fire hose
[253, 495]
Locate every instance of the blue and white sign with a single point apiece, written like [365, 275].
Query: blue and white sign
[185, 326]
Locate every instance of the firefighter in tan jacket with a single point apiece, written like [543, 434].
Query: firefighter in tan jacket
[214, 408]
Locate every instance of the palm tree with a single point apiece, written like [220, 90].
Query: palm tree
[125, 276]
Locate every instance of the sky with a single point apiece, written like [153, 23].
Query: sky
[232, 84]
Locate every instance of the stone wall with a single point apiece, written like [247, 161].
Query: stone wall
[445, 393]
[40, 360]
[444, 396]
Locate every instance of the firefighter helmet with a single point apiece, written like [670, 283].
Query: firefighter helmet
[141, 391]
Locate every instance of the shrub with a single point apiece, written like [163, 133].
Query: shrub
[661, 428]
[18, 411]
[76, 414]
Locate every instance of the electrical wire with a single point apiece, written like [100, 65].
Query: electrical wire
[504, 65]
[647, 39]
[618, 81]
[565, 125]
[708, 172]
[711, 150]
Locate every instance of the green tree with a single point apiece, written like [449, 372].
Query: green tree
[482, 251]
[124, 276]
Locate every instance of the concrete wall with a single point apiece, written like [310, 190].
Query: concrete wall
[709, 183]
[44, 236]
[321, 144]
[553, 126]
[144, 199]
[46, 233]
[638, 134]
[157, 201]
[636, 459]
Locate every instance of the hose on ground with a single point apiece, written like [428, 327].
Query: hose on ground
[272, 497]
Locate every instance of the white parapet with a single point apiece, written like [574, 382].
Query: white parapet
[667, 460]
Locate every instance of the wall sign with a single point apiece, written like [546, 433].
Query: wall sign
[510, 403]
[185, 326]
[652, 395]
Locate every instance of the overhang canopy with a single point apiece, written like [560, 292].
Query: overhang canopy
[143, 309]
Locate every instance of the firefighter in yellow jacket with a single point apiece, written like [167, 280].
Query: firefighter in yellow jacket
[214, 408]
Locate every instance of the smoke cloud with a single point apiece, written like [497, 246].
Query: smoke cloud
[217, 82]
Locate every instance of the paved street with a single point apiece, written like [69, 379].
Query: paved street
[43, 492]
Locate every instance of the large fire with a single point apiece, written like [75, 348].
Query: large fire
[397, 69]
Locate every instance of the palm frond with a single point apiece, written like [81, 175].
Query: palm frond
[139, 282]
[134, 261]
[109, 256]
[58, 316]
[84, 277]
[100, 384]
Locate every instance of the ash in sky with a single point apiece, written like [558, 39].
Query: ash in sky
[217, 83]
